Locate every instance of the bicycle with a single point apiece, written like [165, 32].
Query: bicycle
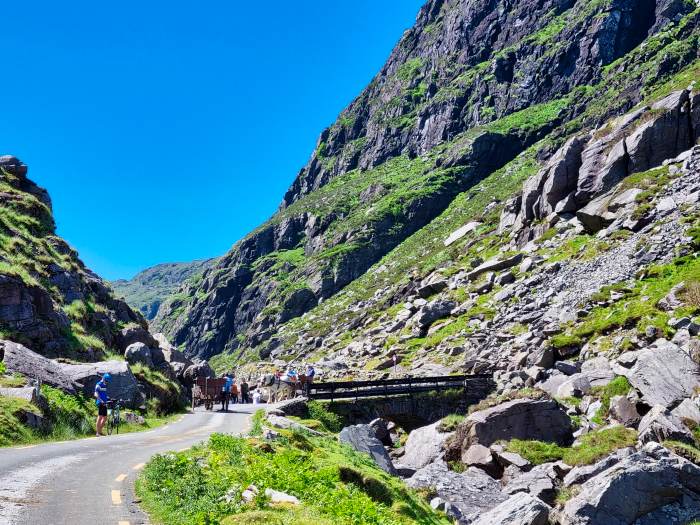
[114, 417]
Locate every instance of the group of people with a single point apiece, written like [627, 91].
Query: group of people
[292, 376]
[234, 392]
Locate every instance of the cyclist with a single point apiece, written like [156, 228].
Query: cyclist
[101, 399]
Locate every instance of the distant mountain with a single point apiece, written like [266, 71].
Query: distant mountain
[149, 288]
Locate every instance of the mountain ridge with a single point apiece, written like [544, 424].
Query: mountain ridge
[417, 137]
[146, 290]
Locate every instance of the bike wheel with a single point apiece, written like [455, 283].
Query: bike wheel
[110, 426]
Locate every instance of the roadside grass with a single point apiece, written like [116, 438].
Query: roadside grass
[334, 484]
[592, 447]
[68, 417]
[330, 421]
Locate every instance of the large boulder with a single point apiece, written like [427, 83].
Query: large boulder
[433, 311]
[363, 439]
[423, 446]
[192, 372]
[663, 373]
[134, 334]
[139, 353]
[20, 359]
[122, 386]
[467, 494]
[644, 486]
[519, 509]
[543, 420]
[659, 425]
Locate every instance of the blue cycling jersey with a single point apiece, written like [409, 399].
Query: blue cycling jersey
[101, 391]
[228, 384]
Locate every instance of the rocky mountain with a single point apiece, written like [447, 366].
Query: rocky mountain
[61, 328]
[478, 96]
[49, 300]
[150, 287]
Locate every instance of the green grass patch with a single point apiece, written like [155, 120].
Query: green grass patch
[334, 484]
[592, 447]
[321, 412]
[12, 431]
[166, 393]
[619, 386]
[451, 422]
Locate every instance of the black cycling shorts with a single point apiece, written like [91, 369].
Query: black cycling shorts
[101, 409]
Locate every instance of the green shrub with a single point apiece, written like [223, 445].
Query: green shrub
[3, 368]
[318, 411]
[565, 341]
[70, 416]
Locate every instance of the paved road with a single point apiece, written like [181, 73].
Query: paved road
[91, 481]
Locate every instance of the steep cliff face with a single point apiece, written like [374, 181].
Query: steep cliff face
[49, 300]
[469, 88]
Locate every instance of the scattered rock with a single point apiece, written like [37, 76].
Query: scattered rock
[660, 425]
[277, 497]
[519, 509]
[362, 438]
[543, 420]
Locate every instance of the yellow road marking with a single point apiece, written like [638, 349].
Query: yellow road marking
[25, 447]
[116, 497]
[139, 466]
[120, 478]
[124, 523]
[183, 450]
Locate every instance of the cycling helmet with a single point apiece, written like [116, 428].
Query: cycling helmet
[107, 376]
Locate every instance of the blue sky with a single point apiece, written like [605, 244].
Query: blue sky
[165, 131]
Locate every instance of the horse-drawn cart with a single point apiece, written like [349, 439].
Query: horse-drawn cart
[207, 391]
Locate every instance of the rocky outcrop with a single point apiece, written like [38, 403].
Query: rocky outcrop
[48, 298]
[652, 486]
[21, 360]
[542, 420]
[423, 446]
[580, 176]
[122, 386]
[363, 439]
[663, 373]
